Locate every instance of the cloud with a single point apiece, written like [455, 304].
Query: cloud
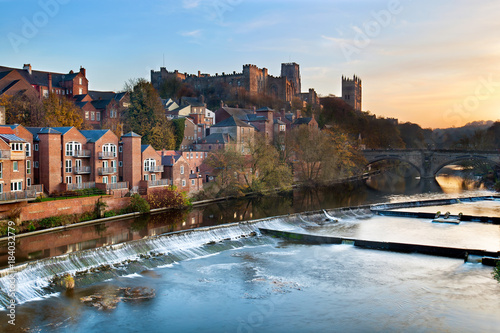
[193, 33]
[190, 4]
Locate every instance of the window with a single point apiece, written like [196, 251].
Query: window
[36, 164]
[92, 115]
[98, 116]
[183, 183]
[69, 180]
[72, 147]
[16, 146]
[113, 179]
[80, 80]
[196, 155]
[36, 146]
[15, 166]
[191, 155]
[87, 115]
[1, 170]
[45, 93]
[192, 182]
[120, 149]
[28, 181]
[149, 165]
[105, 179]
[78, 179]
[16, 186]
[28, 149]
[182, 169]
[153, 177]
[28, 167]
[80, 91]
[146, 177]
[109, 150]
[69, 166]
[1, 187]
[120, 164]
[206, 154]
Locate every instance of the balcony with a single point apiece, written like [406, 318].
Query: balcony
[4, 154]
[107, 155]
[82, 153]
[154, 168]
[80, 186]
[116, 186]
[17, 196]
[158, 182]
[81, 170]
[106, 171]
[36, 188]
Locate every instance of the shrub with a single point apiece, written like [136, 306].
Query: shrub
[110, 213]
[496, 272]
[31, 227]
[138, 204]
[168, 197]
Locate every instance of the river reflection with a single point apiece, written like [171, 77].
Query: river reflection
[380, 188]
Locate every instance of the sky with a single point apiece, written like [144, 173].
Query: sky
[434, 63]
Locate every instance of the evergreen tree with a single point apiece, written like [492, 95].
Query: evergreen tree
[146, 116]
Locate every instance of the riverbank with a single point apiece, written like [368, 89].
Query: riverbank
[76, 211]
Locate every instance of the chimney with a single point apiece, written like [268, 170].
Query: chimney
[27, 67]
[50, 82]
[83, 71]
[199, 73]
[282, 113]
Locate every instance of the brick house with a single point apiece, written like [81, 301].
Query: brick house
[103, 146]
[309, 121]
[15, 166]
[176, 169]
[69, 84]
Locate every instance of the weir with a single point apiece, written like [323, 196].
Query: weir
[33, 279]
[449, 252]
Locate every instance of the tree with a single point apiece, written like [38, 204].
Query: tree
[179, 126]
[266, 170]
[227, 166]
[23, 109]
[322, 156]
[146, 115]
[60, 111]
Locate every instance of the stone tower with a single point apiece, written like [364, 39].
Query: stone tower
[292, 72]
[351, 92]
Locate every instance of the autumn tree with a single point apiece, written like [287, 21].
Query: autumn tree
[23, 109]
[227, 166]
[321, 156]
[266, 171]
[146, 115]
[61, 111]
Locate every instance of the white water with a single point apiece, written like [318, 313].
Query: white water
[33, 278]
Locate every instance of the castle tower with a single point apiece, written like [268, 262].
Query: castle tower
[292, 72]
[351, 92]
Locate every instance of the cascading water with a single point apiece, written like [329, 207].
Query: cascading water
[33, 278]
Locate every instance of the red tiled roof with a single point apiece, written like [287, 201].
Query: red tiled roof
[6, 130]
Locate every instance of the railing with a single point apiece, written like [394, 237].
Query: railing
[81, 170]
[154, 168]
[105, 155]
[116, 186]
[82, 153]
[106, 171]
[36, 188]
[4, 154]
[18, 195]
[158, 182]
[80, 186]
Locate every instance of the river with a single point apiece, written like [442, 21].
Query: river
[217, 281]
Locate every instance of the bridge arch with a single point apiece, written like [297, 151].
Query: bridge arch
[456, 160]
[394, 158]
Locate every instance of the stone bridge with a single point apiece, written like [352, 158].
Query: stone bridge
[429, 162]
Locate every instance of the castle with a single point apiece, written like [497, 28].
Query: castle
[252, 79]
